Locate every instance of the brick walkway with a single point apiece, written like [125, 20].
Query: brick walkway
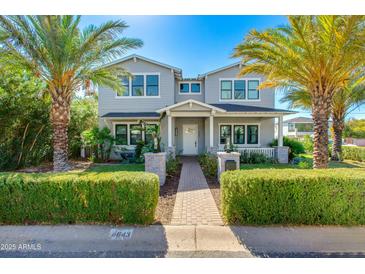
[194, 204]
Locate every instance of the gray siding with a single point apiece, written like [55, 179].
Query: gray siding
[183, 97]
[212, 89]
[109, 103]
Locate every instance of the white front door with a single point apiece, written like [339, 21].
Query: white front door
[190, 139]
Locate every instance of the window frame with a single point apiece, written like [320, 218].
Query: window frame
[189, 83]
[234, 134]
[258, 134]
[144, 96]
[126, 134]
[220, 132]
[245, 144]
[232, 99]
[128, 124]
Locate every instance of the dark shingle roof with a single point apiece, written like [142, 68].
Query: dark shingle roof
[131, 114]
[245, 108]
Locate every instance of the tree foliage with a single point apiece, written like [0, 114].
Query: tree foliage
[355, 128]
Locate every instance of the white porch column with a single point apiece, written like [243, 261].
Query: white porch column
[280, 131]
[211, 130]
[169, 129]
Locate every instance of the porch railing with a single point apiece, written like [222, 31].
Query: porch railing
[267, 151]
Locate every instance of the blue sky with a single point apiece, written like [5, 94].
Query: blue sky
[196, 44]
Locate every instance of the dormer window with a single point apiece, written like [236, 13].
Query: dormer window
[140, 85]
[189, 88]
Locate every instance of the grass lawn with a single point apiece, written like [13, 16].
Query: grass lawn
[116, 167]
[309, 159]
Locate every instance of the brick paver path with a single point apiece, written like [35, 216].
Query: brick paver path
[194, 204]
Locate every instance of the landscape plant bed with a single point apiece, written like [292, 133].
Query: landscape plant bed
[166, 201]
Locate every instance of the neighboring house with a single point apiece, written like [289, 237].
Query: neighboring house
[299, 127]
[195, 115]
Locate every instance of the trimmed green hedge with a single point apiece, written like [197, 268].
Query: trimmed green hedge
[90, 197]
[353, 153]
[288, 196]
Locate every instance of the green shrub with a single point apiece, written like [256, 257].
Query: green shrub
[172, 165]
[255, 158]
[308, 144]
[353, 153]
[209, 164]
[295, 147]
[108, 197]
[287, 196]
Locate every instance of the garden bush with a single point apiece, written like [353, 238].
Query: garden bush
[172, 165]
[353, 153]
[89, 197]
[295, 147]
[255, 158]
[209, 164]
[287, 196]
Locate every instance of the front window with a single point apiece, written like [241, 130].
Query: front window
[239, 89]
[225, 133]
[135, 134]
[253, 92]
[239, 134]
[150, 129]
[121, 135]
[184, 88]
[152, 85]
[125, 85]
[137, 85]
[226, 89]
[195, 88]
[252, 134]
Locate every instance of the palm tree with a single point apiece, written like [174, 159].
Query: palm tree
[314, 53]
[344, 101]
[54, 49]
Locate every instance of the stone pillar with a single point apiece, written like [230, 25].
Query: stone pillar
[282, 154]
[156, 163]
[171, 152]
[223, 157]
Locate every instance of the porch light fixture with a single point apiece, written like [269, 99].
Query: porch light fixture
[175, 131]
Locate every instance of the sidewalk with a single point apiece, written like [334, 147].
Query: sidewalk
[181, 241]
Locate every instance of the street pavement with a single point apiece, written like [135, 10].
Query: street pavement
[181, 241]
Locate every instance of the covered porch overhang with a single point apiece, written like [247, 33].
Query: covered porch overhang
[192, 108]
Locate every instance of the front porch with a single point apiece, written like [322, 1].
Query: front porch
[194, 127]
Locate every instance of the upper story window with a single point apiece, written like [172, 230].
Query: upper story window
[184, 88]
[189, 88]
[140, 85]
[239, 89]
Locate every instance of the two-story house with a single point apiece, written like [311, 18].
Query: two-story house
[196, 114]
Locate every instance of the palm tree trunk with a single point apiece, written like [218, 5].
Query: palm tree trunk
[321, 107]
[338, 126]
[60, 117]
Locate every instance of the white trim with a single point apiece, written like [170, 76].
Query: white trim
[246, 79]
[251, 114]
[219, 69]
[134, 56]
[232, 139]
[144, 74]
[128, 123]
[189, 83]
[190, 101]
